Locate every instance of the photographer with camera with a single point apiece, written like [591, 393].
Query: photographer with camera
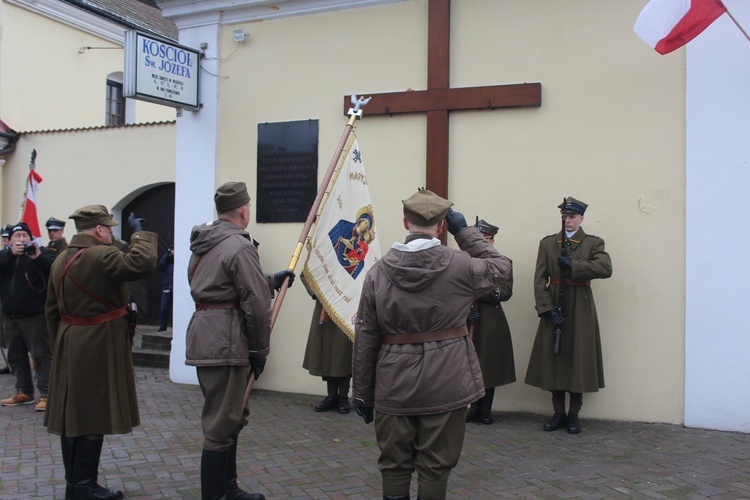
[24, 269]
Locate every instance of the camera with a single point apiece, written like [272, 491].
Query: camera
[29, 248]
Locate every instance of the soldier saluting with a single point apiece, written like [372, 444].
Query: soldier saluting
[577, 367]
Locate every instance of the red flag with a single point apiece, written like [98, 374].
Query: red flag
[28, 212]
[667, 25]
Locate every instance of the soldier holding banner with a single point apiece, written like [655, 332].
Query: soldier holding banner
[414, 367]
[229, 333]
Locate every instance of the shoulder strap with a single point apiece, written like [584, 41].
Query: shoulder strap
[77, 283]
[65, 269]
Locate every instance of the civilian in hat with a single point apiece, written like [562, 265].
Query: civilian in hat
[414, 367]
[492, 340]
[55, 230]
[24, 269]
[92, 386]
[577, 367]
[229, 332]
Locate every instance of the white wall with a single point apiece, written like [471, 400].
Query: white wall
[717, 333]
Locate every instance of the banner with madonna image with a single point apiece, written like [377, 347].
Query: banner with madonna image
[345, 244]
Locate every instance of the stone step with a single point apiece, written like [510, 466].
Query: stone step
[151, 348]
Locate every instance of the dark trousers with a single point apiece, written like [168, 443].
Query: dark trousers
[28, 334]
[429, 444]
[165, 312]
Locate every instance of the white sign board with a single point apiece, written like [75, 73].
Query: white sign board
[161, 72]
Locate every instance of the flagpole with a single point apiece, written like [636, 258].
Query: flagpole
[32, 166]
[354, 113]
[737, 24]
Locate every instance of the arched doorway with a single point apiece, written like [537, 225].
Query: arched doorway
[156, 205]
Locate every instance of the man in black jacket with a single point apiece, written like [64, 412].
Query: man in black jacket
[24, 269]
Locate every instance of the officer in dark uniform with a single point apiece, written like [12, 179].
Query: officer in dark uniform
[492, 340]
[578, 366]
[57, 242]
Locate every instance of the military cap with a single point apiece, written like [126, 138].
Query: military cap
[572, 206]
[6, 230]
[21, 226]
[486, 228]
[92, 216]
[425, 208]
[231, 195]
[53, 224]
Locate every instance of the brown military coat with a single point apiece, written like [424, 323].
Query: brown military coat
[423, 290]
[92, 385]
[579, 366]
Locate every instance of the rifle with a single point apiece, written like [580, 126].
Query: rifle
[561, 288]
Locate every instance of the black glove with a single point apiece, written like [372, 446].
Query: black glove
[455, 221]
[365, 412]
[473, 315]
[136, 223]
[257, 364]
[555, 317]
[278, 278]
[564, 262]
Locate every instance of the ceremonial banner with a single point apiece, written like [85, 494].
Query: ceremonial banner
[667, 25]
[28, 206]
[345, 245]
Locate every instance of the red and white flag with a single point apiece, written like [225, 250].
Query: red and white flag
[667, 25]
[28, 208]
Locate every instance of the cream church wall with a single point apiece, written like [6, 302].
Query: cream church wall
[610, 132]
[101, 166]
[47, 84]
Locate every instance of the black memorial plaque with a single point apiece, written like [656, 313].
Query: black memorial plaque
[287, 170]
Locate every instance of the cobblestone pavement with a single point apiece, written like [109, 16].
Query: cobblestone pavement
[289, 451]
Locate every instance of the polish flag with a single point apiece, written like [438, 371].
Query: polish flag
[28, 213]
[667, 25]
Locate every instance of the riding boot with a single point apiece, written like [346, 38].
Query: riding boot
[86, 471]
[214, 474]
[396, 497]
[486, 411]
[233, 490]
[344, 383]
[68, 446]
[473, 414]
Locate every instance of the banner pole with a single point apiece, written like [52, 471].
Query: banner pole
[737, 24]
[354, 113]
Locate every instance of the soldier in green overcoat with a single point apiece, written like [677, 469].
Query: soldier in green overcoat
[92, 383]
[328, 355]
[578, 366]
[492, 340]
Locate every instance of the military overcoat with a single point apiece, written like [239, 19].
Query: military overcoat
[578, 367]
[492, 338]
[92, 384]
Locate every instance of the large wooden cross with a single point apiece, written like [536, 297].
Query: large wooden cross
[439, 98]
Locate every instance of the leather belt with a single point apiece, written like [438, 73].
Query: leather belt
[95, 320]
[201, 306]
[556, 281]
[420, 337]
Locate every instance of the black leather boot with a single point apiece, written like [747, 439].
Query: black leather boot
[396, 497]
[473, 414]
[86, 471]
[329, 403]
[574, 425]
[233, 490]
[558, 420]
[68, 446]
[214, 474]
[486, 407]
